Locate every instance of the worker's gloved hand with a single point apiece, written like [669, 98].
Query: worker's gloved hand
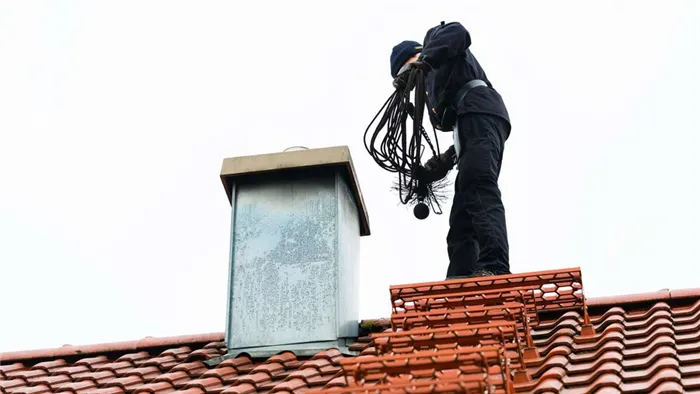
[439, 166]
[433, 163]
[421, 65]
[401, 80]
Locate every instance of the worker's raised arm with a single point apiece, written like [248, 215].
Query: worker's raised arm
[444, 42]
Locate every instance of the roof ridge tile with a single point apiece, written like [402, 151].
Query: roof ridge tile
[103, 348]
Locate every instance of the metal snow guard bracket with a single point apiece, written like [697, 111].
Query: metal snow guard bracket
[551, 290]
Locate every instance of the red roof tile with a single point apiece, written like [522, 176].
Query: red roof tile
[645, 343]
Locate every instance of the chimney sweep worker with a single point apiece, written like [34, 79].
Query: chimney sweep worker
[462, 99]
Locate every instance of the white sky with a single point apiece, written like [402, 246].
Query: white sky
[115, 117]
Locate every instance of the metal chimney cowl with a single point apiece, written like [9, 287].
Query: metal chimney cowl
[296, 222]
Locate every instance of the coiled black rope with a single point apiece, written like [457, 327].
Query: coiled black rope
[395, 149]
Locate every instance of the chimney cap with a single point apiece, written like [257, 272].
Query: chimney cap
[337, 156]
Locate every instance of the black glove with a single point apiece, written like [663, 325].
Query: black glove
[401, 80]
[421, 65]
[439, 166]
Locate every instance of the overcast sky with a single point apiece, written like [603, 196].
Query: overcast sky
[115, 118]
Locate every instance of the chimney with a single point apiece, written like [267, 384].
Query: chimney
[296, 222]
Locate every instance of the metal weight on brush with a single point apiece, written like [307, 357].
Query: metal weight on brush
[421, 211]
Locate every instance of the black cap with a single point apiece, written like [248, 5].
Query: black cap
[401, 53]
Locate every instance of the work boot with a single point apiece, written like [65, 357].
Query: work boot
[476, 274]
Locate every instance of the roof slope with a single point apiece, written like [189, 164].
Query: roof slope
[647, 343]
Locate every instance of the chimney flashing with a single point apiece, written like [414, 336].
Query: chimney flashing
[299, 350]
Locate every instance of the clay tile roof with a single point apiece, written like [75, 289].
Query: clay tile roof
[553, 339]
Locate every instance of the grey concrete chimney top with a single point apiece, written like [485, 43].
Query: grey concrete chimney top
[337, 157]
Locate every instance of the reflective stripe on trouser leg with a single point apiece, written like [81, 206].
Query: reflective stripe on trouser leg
[455, 138]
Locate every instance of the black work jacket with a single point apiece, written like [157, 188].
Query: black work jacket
[452, 65]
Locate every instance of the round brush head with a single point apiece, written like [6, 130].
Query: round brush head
[421, 211]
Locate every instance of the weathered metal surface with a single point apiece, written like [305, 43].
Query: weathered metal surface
[294, 261]
[348, 260]
[337, 158]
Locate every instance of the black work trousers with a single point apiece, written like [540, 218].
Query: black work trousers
[477, 238]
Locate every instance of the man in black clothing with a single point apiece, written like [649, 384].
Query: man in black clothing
[462, 99]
